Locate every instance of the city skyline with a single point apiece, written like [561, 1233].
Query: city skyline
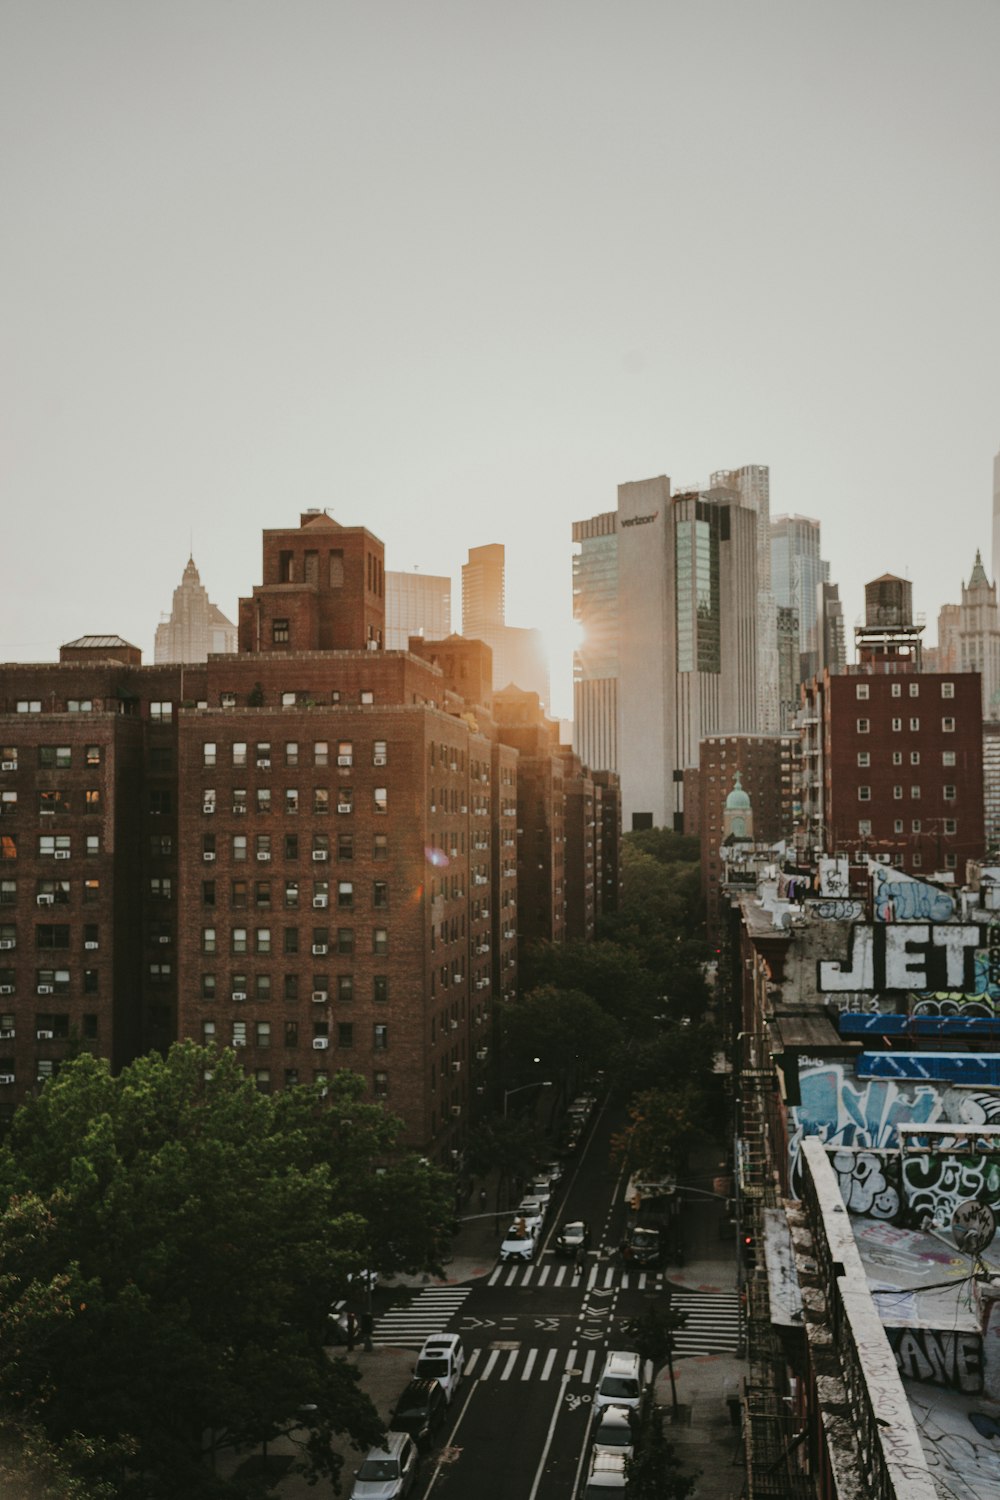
[266, 263]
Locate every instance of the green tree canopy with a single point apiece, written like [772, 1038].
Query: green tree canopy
[562, 1035]
[170, 1242]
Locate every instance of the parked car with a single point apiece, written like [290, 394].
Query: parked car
[442, 1358]
[605, 1476]
[621, 1380]
[520, 1241]
[614, 1430]
[387, 1472]
[540, 1188]
[554, 1171]
[573, 1235]
[532, 1211]
[420, 1411]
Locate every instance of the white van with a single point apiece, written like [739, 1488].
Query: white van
[442, 1359]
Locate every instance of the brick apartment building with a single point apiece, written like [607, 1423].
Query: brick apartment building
[307, 850]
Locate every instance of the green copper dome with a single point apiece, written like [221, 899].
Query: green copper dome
[738, 801]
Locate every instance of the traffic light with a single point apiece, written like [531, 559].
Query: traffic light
[749, 1248]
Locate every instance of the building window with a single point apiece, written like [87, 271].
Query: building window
[263, 800]
[345, 846]
[321, 753]
[345, 1033]
[861, 690]
[914, 757]
[381, 799]
[380, 987]
[864, 758]
[914, 689]
[917, 860]
[380, 753]
[239, 847]
[915, 726]
[345, 893]
[380, 846]
[291, 893]
[239, 753]
[321, 800]
[29, 705]
[950, 861]
[8, 757]
[291, 753]
[208, 1033]
[915, 825]
[345, 988]
[949, 793]
[948, 757]
[239, 801]
[239, 1033]
[897, 826]
[8, 846]
[208, 940]
[897, 757]
[915, 793]
[263, 1033]
[380, 1085]
[291, 846]
[80, 705]
[291, 1033]
[163, 712]
[291, 940]
[897, 725]
[263, 939]
[288, 700]
[947, 690]
[239, 940]
[291, 800]
[291, 987]
[92, 756]
[279, 632]
[55, 757]
[380, 1036]
[948, 726]
[863, 726]
[897, 690]
[345, 753]
[367, 697]
[864, 794]
[951, 825]
[380, 940]
[380, 893]
[345, 939]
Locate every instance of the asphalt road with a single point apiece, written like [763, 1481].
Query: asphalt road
[535, 1339]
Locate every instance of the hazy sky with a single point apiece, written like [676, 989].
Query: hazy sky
[457, 270]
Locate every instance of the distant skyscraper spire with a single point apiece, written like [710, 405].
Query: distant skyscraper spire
[195, 628]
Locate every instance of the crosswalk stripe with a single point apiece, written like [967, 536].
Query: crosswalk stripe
[560, 1276]
[472, 1361]
[529, 1364]
[429, 1313]
[588, 1365]
[529, 1273]
[543, 1275]
[570, 1360]
[494, 1355]
[550, 1360]
[508, 1368]
[495, 1277]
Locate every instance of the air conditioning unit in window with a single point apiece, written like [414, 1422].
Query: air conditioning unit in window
[320, 948]
[482, 1054]
[320, 854]
[433, 807]
[164, 937]
[453, 1024]
[456, 1110]
[45, 900]
[321, 901]
[6, 942]
[344, 807]
[456, 1067]
[6, 989]
[208, 807]
[320, 1043]
[263, 856]
[44, 989]
[379, 760]
[463, 808]
[8, 765]
[345, 760]
[7, 1035]
[62, 854]
[320, 996]
[44, 1036]
[239, 994]
[264, 765]
[6, 1078]
[239, 807]
[208, 856]
[239, 1041]
[92, 945]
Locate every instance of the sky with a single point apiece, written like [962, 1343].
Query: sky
[455, 271]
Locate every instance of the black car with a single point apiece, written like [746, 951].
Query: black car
[642, 1245]
[574, 1235]
[420, 1411]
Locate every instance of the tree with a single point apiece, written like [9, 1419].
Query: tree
[506, 1145]
[556, 1034]
[662, 1129]
[654, 1473]
[612, 975]
[171, 1239]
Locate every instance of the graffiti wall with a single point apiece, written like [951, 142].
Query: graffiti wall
[863, 1114]
[939, 1357]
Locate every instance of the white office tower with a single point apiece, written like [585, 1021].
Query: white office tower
[416, 604]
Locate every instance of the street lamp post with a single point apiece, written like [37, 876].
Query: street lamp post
[540, 1083]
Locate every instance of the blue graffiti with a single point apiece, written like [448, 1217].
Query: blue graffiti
[909, 900]
[841, 1111]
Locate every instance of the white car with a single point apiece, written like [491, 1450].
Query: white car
[605, 1476]
[621, 1380]
[541, 1188]
[520, 1241]
[387, 1473]
[442, 1359]
[614, 1430]
[531, 1210]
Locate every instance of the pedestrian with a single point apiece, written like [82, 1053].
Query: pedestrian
[578, 1260]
